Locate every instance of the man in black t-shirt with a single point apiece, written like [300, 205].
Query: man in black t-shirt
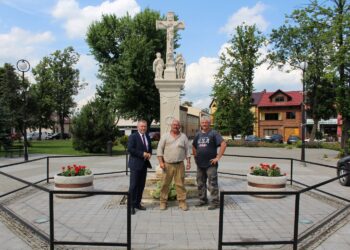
[204, 149]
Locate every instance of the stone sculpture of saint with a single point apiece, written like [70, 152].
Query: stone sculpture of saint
[180, 66]
[158, 66]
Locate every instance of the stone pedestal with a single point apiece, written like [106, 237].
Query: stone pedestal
[169, 91]
[152, 179]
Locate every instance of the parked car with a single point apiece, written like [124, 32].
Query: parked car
[35, 135]
[237, 137]
[252, 138]
[315, 140]
[155, 136]
[274, 138]
[293, 139]
[56, 136]
[343, 167]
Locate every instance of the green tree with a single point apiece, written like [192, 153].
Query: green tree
[339, 16]
[12, 99]
[43, 94]
[125, 49]
[58, 72]
[5, 123]
[93, 127]
[306, 37]
[187, 103]
[234, 81]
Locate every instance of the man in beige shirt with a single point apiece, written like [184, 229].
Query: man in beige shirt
[173, 149]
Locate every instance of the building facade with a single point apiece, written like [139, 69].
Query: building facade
[279, 112]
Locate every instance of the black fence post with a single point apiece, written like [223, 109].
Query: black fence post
[291, 171]
[296, 221]
[221, 218]
[52, 237]
[128, 215]
[47, 169]
[126, 162]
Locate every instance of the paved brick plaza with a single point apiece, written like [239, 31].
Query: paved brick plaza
[246, 218]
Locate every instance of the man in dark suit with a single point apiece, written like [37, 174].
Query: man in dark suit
[140, 150]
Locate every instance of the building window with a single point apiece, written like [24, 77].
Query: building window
[279, 99]
[290, 115]
[271, 116]
[270, 131]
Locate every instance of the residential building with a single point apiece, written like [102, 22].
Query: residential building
[279, 112]
[256, 97]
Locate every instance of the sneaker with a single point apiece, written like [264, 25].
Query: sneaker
[162, 206]
[183, 205]
[213, 206]
[201, 203]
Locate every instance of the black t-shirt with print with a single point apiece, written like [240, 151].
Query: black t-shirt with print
[206, 145]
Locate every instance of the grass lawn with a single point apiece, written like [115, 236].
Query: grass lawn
[62, 147]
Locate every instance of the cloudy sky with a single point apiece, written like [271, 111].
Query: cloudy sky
[31, 29]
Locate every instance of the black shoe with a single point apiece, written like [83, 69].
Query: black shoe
[132, 211]
[201, 203]
[140, 207]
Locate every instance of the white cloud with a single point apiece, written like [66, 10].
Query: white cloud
[20, 43]
[247, 15]
[76, 19]
[200, 79]
[273, 78]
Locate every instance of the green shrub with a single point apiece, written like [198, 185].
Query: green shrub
[154, 144]
[271, 145]
[341, 153]
[331, 145]
[171, 195]
[123, 140]
[93, 127]
[239, 143]
[310, 144]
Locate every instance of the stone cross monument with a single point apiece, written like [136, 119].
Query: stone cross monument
[170, 78]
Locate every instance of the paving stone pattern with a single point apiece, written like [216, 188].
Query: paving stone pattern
[101, 218]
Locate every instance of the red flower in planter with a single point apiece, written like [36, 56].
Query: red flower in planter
[265, 169]
[76, 170]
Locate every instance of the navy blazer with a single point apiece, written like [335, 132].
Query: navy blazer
[136, 149]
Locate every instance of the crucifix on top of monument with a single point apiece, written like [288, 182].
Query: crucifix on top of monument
[171, 84]
[170, 25]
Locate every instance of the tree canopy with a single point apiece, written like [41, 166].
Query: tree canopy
[319, 35]
[12, 99]
[304, 43]
[57, 83]
[93, 127]
[125, 48]
[233, 86]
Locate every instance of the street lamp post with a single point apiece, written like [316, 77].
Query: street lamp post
[303, 66]
[24, 66]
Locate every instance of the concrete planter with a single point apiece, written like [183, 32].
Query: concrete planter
[73, 183]
[267, 183]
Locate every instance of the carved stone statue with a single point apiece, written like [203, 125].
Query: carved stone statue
[170, 25]
[158, 66]
[180, 66]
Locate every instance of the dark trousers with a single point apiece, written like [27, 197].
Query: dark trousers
[137, 185]
[210, 174]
